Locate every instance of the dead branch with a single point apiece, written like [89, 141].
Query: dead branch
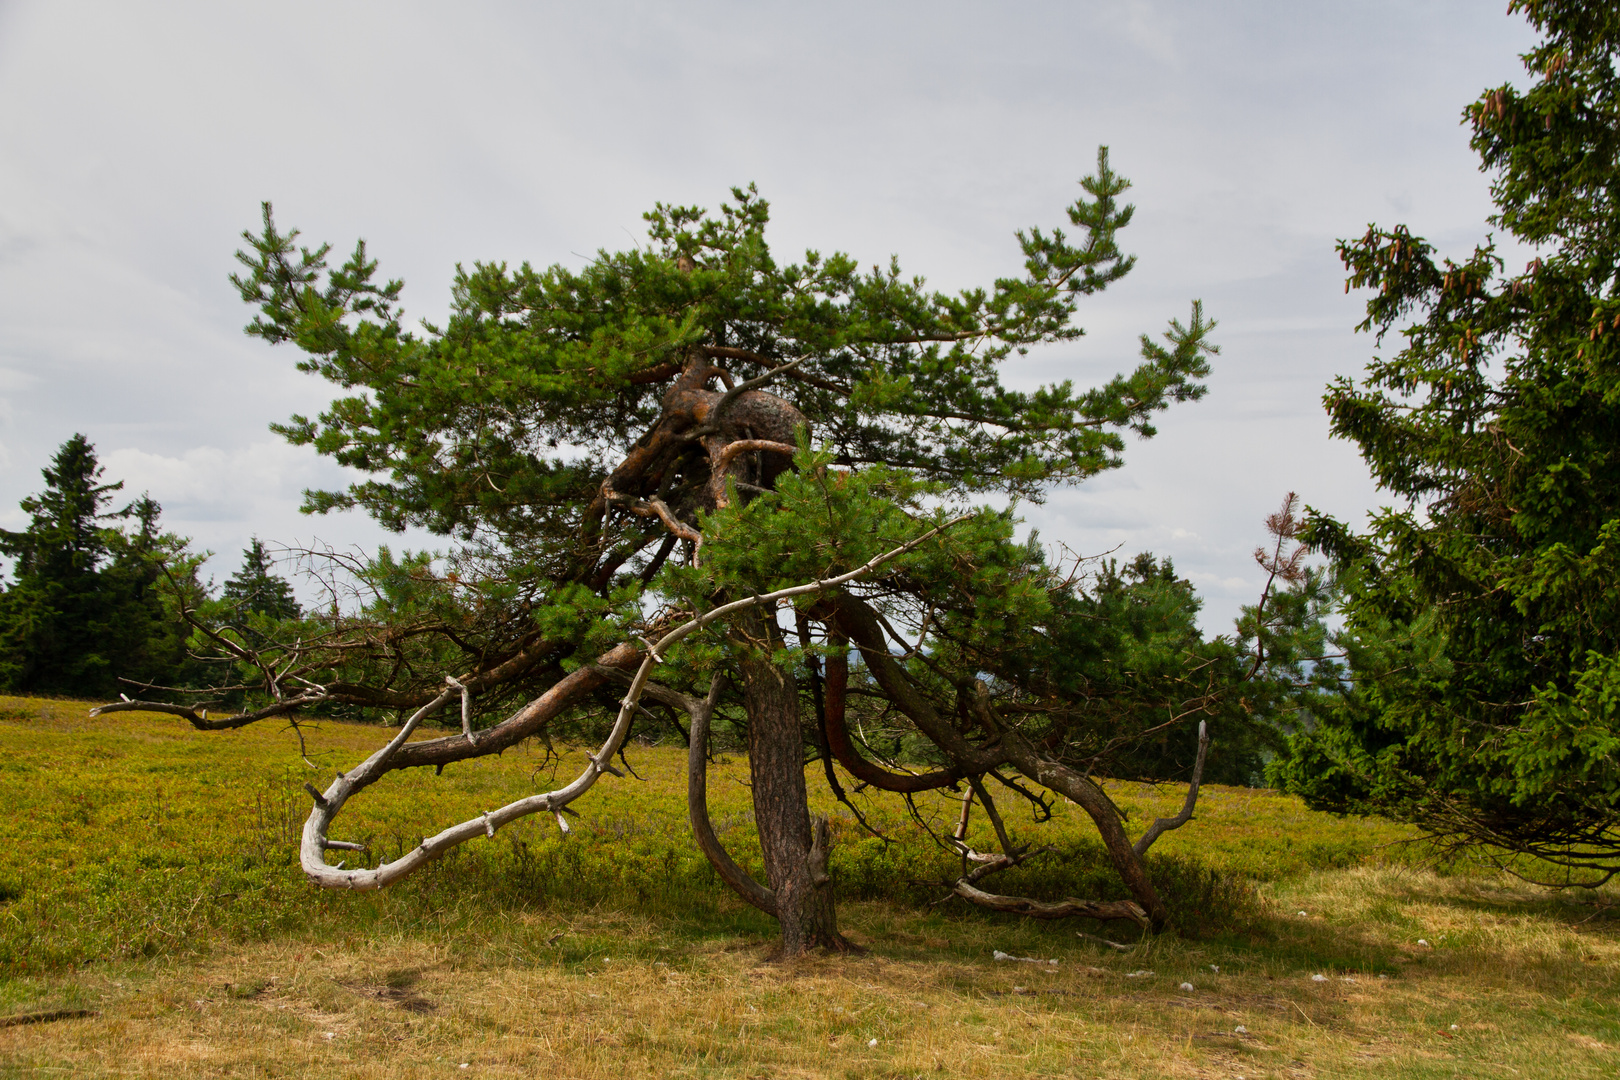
[20, 1019]
[329, 804]
[466, 707]
[201, 721]
[1164, 825]
[1067, 908]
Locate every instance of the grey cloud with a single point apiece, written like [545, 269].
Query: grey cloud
[141, 139]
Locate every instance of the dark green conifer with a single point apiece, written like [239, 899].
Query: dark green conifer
[1483, 618]
[257, 590]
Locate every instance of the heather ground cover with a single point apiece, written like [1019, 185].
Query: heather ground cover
[147, 880]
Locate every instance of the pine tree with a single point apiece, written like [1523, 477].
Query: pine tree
[686, 427]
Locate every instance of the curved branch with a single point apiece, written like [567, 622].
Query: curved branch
[200, 721]
[330, 802]
[729, 353]
[838, 740]
[1067, 908]
[700, 713]
[651, 508]
[697, 806]
[741, 446]
[1164, 825]
[856, 620]
[711, 423]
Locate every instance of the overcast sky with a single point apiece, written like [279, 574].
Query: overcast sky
[140, 138]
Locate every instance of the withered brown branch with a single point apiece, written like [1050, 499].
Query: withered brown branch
[653, 507]
[1067, 908]
[200, 720]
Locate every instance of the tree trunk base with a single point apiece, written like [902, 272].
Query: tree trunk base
[834, 944]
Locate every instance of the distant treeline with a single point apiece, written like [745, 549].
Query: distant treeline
[92, 606]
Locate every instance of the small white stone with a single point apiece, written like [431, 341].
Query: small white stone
[1318, 978]
[1425, 944]
[328, 1034]
[1187, 987]
[1454, 1027]
[1302, 913]
[1240, 1030]
[872, 1043]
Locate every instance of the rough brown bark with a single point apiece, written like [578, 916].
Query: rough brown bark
[795, 850]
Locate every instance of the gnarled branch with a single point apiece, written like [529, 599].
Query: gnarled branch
[1164, 825]
[330, 802]
[697, 806]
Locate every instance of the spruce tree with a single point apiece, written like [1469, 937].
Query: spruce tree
[57, 611]
[86, 608]
[255, 589]
[1482, 617]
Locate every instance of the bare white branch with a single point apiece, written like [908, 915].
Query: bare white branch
[1164, 825]
[328, 804]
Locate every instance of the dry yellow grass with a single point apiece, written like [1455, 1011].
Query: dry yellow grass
[418, 982]
[1529, 995]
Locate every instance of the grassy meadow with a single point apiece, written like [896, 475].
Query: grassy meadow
[150, 901]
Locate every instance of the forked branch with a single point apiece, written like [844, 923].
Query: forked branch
[330, 802]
